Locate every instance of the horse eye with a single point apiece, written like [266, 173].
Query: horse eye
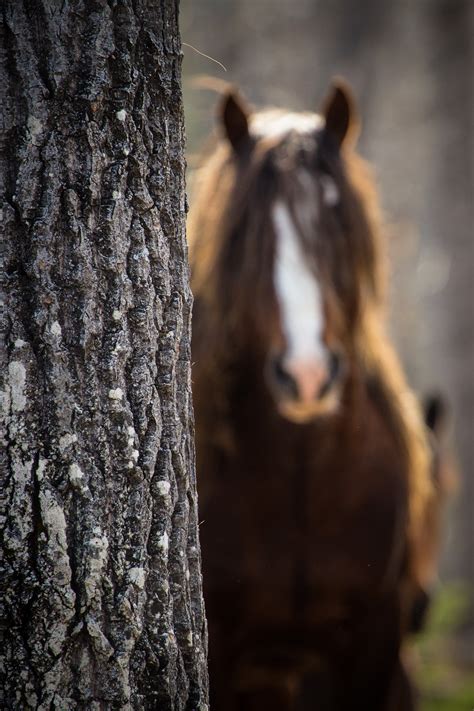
[330, 190]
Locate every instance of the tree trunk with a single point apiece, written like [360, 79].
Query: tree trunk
[101, 585]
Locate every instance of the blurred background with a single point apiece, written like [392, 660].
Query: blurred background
[410, 64]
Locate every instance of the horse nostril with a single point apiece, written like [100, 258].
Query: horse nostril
[335, 367]
[335, 362]
[283, 379]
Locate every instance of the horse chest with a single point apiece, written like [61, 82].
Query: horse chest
[293, 521]
[323, 514]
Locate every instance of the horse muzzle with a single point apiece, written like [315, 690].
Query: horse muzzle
[306, 388]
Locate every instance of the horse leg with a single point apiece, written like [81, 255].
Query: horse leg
[375, 659]
[265, 699]
[268, 683]
[317, 691]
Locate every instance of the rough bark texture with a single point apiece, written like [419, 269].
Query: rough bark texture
[101, 583]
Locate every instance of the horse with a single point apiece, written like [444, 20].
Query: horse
[313, 459]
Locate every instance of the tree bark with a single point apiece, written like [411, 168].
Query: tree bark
[101, 584]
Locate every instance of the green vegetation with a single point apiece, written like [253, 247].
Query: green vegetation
[444, 683]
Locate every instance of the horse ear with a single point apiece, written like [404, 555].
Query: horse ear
[340, 113]
[233, 114]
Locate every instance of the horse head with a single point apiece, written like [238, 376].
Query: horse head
[293, 268]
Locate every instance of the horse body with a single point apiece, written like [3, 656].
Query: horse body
[313, 465]
[301, 567]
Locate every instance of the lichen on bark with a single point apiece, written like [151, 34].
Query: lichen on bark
[101, 584]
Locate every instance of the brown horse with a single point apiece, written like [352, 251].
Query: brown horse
[313, 459]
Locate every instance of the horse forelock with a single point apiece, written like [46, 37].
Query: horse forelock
[275, 123]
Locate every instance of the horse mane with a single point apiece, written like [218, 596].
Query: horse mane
[218, 208]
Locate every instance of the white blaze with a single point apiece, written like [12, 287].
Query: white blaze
[298, 293]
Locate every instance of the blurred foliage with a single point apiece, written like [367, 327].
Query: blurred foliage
[445, 684]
